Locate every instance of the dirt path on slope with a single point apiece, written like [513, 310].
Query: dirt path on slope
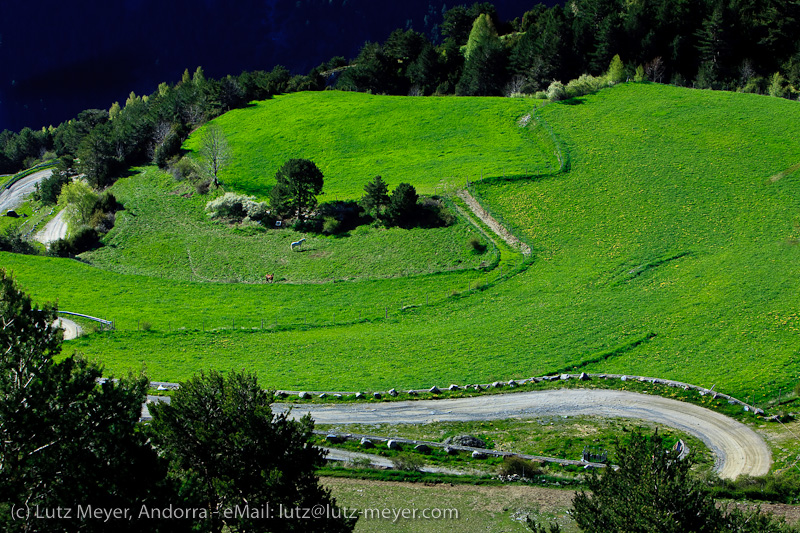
[54, 230]
[737, 449]
[493, 224]
[13, 197]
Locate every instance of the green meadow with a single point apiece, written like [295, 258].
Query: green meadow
[669, 248]
[164, 232]
[432, 143]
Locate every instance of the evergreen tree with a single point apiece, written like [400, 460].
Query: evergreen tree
[297, 184]
[228, 449]
[65, 439]
[485, 66]
[403, 205]
[376, 198]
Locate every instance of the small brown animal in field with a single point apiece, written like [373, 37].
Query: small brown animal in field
[269, 278]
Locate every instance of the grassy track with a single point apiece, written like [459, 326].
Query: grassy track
[667, 223]
[428, 142]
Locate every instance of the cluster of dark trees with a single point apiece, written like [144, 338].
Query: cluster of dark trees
[718, 44]
[744, 45]
[72, 447]
[144, 129]
[299, 181]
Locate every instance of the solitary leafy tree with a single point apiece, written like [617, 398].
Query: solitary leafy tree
[376, 198]
[78, 201]
[228, 449]
[214, 150]
[297, 184]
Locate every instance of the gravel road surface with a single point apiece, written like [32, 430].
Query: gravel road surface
[738, 450]
[54, 230]
[15, 196]
[71, 329]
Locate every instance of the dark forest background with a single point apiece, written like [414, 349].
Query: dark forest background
[741, 45]
[59, 58]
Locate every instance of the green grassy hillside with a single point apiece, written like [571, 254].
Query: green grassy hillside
[669, 249]
[164, 232]
[352, 137]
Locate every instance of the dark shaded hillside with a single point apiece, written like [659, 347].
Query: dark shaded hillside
[59, 58]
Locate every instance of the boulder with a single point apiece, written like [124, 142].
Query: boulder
[584, 376]
[564, 377]
[422, 448]
[393, 445]
[333, 439]
[449, 450]
[412, 392]
[337, 396]
[453, 387]
[479, 455]
[497, 384]
[478, 388]
[377, 395]
[360, 396]
[281, 394]
[304, 396]
[392, 392]
[434, 390]
[624, 378]
[366, 443]
[11, 213]
[466, 440]
[323, 395]
[512, 383]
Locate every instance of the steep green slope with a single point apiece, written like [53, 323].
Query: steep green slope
[428, 142]
[666, 250]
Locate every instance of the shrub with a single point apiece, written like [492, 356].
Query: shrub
[235, 208]
[514, 465]
[477, 246]
[83, 240]
[330, 226]
[585, 84]
[146, 326]
[11, 241]
[408, 462]
[202, 187]
[556, 91]
[184, 169]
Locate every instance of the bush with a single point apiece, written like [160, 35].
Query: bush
[330, 226]
[235, 208]
[408, 462]
[556, 91]
[184, 169]
[517, 466]
[585, 84]
[83, 240]
[477, 246]
[11, 241]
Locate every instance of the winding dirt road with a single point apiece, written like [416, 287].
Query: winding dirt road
[737, 449]
[15, 196]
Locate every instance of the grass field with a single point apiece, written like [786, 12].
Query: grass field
[164, 232]
[352, 137]
[667, 227]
